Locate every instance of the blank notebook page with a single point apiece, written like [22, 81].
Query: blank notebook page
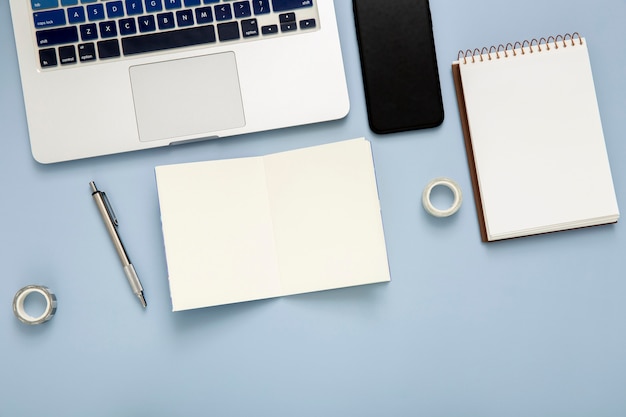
[540, 157]
[326, 217]
[252, 228]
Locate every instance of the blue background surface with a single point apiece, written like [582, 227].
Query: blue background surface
[528, 327]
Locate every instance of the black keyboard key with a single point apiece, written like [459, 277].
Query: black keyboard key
[184, 17]
[228, 31]
[307, 24]
[287, 17]
[127, 26]
[108, 29]
[242, 9]
[86, 52]
[58, 36]
[288, 27]
[204, 15]
[88, 32]
[108, 49]
[269, 29]
[261, 6]
[223, 12]
[249, 28]
[146, 23]
[48, 57]
[284, 5]
[166, 20]
[67, 54]
[168, 40]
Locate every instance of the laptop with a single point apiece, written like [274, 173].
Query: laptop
[108, 76]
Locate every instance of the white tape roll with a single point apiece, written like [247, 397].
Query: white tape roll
[453, 186]
[22, 294]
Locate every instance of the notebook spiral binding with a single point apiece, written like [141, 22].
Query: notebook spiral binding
[519, 46]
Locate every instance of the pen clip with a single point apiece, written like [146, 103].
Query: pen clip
[109, 208]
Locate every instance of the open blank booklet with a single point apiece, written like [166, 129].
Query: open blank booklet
[260, 227]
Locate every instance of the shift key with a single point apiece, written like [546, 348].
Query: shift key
[285, 5]
[59, 36]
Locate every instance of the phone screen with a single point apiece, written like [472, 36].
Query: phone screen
[399, 64]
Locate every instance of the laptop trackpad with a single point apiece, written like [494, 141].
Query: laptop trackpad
[186, 97]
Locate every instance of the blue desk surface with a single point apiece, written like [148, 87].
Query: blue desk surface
[529, 327]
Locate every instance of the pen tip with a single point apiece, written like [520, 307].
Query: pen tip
[142, 299]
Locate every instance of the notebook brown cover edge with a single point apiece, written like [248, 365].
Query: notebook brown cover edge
[458, 84]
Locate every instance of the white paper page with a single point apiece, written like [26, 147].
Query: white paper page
[538, 144]
[326, 217]
[217, 232]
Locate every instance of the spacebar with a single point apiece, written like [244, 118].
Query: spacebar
[168, 40]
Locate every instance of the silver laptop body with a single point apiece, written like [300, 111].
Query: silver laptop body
[108, 76]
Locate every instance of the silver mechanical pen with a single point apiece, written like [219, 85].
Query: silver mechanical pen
[110, 221]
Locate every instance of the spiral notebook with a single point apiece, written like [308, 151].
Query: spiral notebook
[534, 138]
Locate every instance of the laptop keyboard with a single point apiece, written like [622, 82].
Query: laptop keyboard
[76, 32]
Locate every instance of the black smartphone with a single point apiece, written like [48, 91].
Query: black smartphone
[399, 65]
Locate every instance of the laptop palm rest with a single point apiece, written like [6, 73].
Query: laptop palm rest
[186, 97]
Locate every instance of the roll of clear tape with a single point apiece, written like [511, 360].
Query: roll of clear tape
[446, 182]
[20, 298]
